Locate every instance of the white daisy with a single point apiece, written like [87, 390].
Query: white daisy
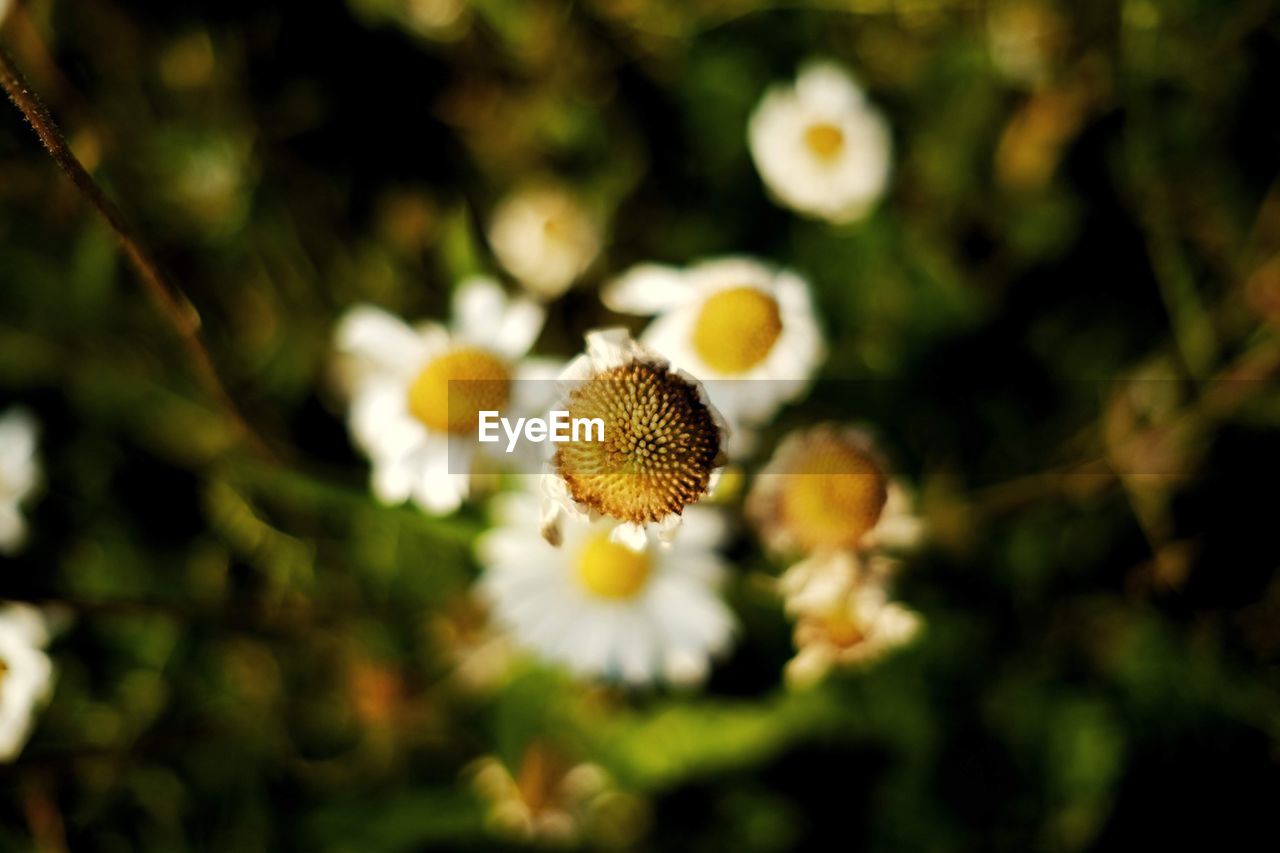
[19, 475]
[820, 147]
[744, 328]
[404, 409]
[828, 488]
[26, 674]
[545, 237]
[603, 608]
[663, 442]
[844, 616]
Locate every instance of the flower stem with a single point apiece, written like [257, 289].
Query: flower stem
[168, 299]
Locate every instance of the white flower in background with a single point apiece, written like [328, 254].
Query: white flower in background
[844, 617]
[545, 237]
[404, 411]
[662, 450]
[744, 328]
[827, 488]
[602, 608]
[19, 475]
[820, 147]
[26, 674]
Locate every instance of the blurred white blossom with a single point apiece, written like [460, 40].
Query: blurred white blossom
[26, 674]
[404, 409]
[820, 146]
[603, 608]
[746, 329]
[19, 475]
[544, 236]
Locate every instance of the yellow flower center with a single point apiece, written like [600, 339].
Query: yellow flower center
[4, 670]
[842, 630]
[610, 570]
[450, 392]
[824, 140]
[835, 497]
[736, 328]
[660, 444]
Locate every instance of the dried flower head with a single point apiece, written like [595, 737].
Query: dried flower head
[663, 442]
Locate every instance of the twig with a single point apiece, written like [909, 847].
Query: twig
[168, 299]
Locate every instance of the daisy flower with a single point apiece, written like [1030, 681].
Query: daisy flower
[26, 674]
[821, 148]
[19, 475]
[827, 488]
[844, 617]
[662, 450]
[602, 608]
[404, 409]
[729, 319]
[545, 237]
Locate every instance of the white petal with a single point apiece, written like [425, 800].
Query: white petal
[631, 535]
[827, 87]
[521, 325]
[378, 338]
[478, 306]
[646, 289]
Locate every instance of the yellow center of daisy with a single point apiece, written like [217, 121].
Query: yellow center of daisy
[607, 569]
[4, 670]
[842, 630]
[736, 328]
[450, 392]
[835, 497]
[825, 140]
[660, 444]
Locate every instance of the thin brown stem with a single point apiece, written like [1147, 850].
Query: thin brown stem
[168, 299]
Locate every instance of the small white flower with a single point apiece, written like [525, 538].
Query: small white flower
[664, 443]
[403, 409]
[544, 237]
[746, 329]
[820, 147]
[828, 488]
[601, 607]
[26, 674]
[844, 616]
[19, 475]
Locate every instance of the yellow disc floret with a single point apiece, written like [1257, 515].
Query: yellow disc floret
[608, 569]
[660, 445]
[832, 495]
[450, 392]
[824, 140]
[736, 328]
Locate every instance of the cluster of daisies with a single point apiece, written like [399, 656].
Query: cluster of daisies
[609, 560]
